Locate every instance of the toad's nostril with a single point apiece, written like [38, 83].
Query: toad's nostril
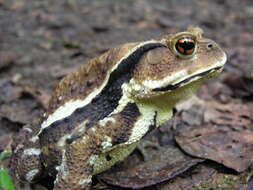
[210, 45]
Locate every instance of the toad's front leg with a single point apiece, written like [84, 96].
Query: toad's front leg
[76, 170]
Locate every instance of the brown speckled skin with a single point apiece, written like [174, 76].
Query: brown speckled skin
[119, 131]
[74, 159]
[76, 86]
[88, 77]
[19, 162]
[78, 165]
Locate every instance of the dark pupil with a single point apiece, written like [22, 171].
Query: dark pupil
[185, 46]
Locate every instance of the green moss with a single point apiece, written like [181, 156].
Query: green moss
[4, 155]
[71, 45]
[6, 182]
[220, 182]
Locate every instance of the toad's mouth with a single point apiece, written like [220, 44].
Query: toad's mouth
[197, 76]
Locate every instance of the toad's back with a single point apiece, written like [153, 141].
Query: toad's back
[86, 97]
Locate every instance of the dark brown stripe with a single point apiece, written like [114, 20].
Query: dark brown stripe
[175, 86]
[152, 127]
[121, 132]
[103, 104]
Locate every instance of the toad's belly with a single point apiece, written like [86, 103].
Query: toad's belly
[106, 160]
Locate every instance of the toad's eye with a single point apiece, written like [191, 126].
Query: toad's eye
[185, 45]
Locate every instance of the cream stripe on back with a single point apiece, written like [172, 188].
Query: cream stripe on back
[69, 107]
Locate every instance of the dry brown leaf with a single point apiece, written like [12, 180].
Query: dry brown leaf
[225, 134]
